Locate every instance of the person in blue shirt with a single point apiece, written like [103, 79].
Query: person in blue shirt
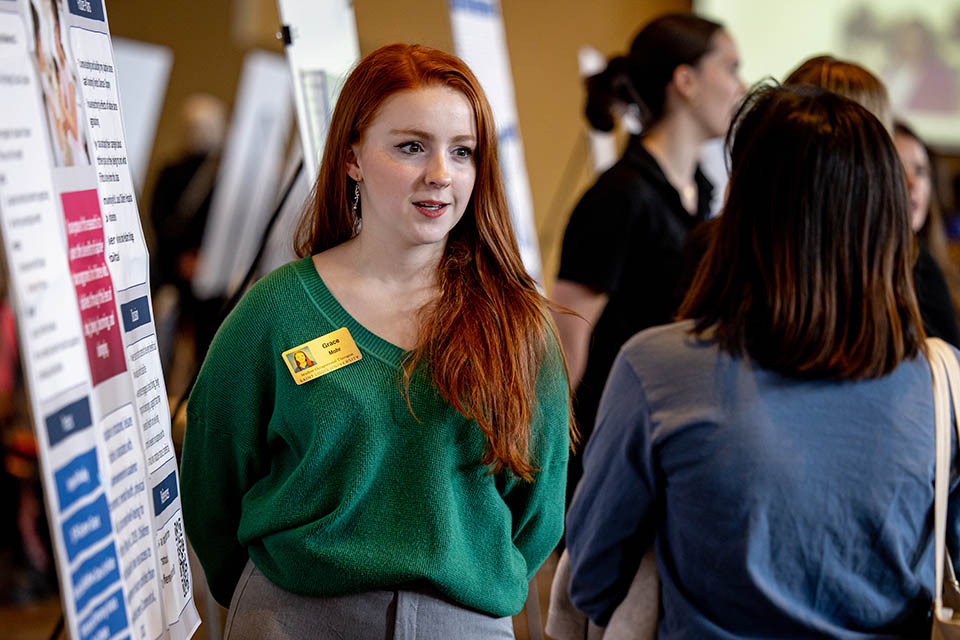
[776, 446]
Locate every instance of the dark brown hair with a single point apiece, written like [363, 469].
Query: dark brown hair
[485, 338]
[809, 271]
[642, 76]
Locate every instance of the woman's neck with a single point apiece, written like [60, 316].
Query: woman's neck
[675, 145]
[401, 269]
[384, 288]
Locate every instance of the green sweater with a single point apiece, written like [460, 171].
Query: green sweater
[333, 487]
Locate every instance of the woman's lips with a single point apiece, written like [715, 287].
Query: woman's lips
[431, 208]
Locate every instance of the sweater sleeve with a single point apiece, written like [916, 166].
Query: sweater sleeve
[611, 519]
[537, 506]
[223, 450]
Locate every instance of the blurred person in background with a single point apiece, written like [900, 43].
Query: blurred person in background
[849, 80]
[854, 82]
[181, 203]
[776, 446]
[27, 571]
[937, 278]
[622, 261]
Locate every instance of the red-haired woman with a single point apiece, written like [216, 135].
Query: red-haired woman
[419, 488]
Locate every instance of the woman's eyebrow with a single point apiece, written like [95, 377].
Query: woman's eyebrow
[419, 133]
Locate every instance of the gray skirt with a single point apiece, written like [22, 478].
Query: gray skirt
[260, 610]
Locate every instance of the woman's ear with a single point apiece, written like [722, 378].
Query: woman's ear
[684, 80]
[353, 166]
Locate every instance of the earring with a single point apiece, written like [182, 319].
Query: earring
[357, 223]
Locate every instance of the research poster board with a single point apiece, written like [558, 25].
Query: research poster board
[479, 39]
[79, 279]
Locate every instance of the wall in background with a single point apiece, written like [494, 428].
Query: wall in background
[209, 39]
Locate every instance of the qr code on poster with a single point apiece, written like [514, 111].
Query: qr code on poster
[182, 556]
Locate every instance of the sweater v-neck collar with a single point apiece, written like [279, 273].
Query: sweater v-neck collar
[333, 311]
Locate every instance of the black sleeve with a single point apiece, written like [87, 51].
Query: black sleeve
[598, 236]
[933, 296]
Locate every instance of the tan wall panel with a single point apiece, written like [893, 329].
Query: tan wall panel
[381, 22]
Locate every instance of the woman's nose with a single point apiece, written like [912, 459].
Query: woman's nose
[438, 174]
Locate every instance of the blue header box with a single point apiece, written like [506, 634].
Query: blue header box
[73, 418]
[92, 9]
[95, 575]
[136, 313]
[78, 478]
[106, 620]
[88, 526]
[164, 493]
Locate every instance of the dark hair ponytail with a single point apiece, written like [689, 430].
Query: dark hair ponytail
[610, 86]
[641, 77]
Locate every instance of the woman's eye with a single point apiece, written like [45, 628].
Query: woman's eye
[463, 152]
[411, 147]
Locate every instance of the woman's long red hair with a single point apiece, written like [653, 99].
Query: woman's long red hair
[485, 338]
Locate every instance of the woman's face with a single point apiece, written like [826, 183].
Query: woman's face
[718, 87]
[416, 166]
[301, 358]
[916, 165]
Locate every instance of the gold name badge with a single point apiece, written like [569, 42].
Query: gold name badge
[322, 355]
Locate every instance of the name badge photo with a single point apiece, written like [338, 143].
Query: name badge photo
[321, 356]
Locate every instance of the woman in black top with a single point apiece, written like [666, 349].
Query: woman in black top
[622, 250]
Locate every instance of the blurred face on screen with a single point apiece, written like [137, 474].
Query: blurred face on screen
[916, 165]
[718, 85]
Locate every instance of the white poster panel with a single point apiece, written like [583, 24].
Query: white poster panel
[279, 249]
[248, 181]
[479, 39]
[79, 277]
[143, 70]
[322, 48]
[713, 163]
